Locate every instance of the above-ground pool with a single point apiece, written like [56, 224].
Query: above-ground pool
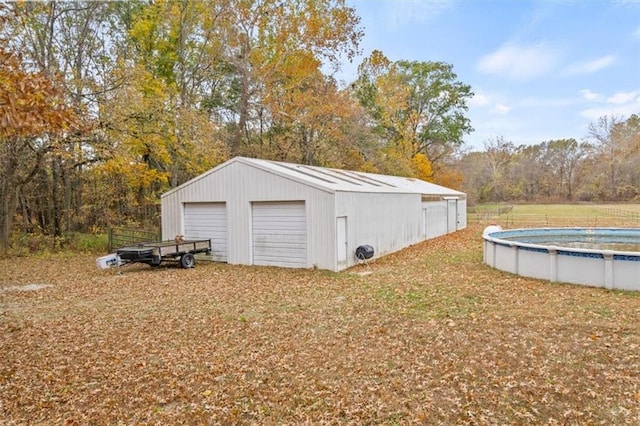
[600, 257]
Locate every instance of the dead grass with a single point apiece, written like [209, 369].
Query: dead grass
[430, 336]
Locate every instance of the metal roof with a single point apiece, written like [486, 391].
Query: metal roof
[337, 180]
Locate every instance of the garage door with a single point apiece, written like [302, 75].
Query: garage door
[207, 220]
[279, 234]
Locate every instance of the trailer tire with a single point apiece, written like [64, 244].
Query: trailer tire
[187, 260]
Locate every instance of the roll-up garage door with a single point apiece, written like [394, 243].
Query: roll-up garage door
[279, 234]
[207, 220]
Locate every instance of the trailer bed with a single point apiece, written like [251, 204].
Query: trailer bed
[154, 253]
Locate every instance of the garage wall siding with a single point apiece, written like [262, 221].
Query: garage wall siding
[436, 218]
[238, 185]
[462, 213]
[387, 222]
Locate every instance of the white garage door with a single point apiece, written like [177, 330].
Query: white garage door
[279, 232]
[207, 220]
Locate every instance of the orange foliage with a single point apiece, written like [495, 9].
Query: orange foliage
[448, 177]
[422, 167]
[30, 104]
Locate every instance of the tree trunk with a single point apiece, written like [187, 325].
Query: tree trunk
[243, 113]
[8, 200]
[56, 199]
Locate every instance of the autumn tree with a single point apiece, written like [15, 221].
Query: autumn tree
[562, 158]
[312, 122]
[176, 55]
[417, 109]
[628, 135]
[530, 174]
[164, 87]
[32, 115]
[562, 170]
[76, 41]
[272, 47]
[496, 161]
[614, 156]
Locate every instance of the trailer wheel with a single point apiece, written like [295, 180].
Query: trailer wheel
[187, 260]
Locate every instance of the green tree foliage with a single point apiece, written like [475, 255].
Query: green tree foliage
[417, 109]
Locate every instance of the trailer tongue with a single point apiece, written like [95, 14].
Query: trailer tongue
[155, 253]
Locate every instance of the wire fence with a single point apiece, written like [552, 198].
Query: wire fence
[627, 214]
[506, 217]
[120, 237]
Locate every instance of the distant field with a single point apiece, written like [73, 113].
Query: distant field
[557, 214]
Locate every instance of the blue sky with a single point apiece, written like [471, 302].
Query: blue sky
[540, 69]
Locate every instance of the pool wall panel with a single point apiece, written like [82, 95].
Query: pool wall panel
[619, 270]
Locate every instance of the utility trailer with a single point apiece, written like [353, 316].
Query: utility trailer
[154, 253]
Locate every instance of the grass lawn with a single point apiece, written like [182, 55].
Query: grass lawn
[427, 335]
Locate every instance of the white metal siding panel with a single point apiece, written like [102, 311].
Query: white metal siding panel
[452, 215]
[207, 220]
[425, 222]
[462, 213]
[341, 242]
[170, 217]
[436, 218]
[387, 222]
[279, 234]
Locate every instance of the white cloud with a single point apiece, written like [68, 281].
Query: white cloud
[500, 109]
[400, 13]
[590, 67]
[622, 98]
[479, 99]
[613, 109]
[590, 96]
[519, 62]
[489, 102]
[532, 102]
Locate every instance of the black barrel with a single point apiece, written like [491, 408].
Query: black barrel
[364, 252]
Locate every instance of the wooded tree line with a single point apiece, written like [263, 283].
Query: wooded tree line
[152, 93]
[106, 105]
[604, 167]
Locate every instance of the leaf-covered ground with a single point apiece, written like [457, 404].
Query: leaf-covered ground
[426, 335]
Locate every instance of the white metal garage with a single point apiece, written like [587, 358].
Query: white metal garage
[261, 212]
[279, 234]
[207, 220]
